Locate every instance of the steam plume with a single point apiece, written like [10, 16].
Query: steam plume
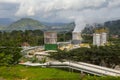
[81, 11]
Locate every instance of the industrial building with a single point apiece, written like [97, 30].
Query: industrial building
[96, 39]
[50, 40]
[76, 38]
[64, 45]
[100, 37]
[103, 38]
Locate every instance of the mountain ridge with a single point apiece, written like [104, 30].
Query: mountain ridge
[25, 24]
[31, 24]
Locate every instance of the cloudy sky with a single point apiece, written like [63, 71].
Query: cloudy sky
[84, 11]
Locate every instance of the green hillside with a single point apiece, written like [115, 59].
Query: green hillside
[113, 26]
[25, 24]
[31, 24]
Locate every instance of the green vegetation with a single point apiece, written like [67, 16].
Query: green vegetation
[31, 24]
[108, 56]
[64, 36]
[9, 53]
[25, 24]
[33, 38]
[114, 40]
[9, 56]
[37, 73]
[113, 26]
[87, 38]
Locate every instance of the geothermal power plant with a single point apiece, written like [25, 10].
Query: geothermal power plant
[50, 40]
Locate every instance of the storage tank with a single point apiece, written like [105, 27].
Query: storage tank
[103, 38]
[50, 40]
[76, 38]
[96, 39]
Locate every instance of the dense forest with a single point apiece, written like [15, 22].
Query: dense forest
[32, 37]
[108, 56]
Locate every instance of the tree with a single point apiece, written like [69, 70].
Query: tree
[108, 56]
[9, 53]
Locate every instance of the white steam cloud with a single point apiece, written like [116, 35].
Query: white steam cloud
[81, 11]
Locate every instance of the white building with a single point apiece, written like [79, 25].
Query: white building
[76, 38]
[96, 39]
[99, 39]
[103, 38]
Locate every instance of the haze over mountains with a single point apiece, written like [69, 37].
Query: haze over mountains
[31, 24]
[6, 21]
[7, 24]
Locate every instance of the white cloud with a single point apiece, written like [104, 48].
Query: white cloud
[10, 1]
[81, 11]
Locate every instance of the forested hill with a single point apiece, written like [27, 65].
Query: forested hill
[113, 26]
[25, 24]
[31, 24]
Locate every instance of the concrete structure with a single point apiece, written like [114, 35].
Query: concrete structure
[50, 40]
[79, 66]
[50, 37]
[100, 37]
[103, 38]
[96, 39]
[64, 45]
[76, 38]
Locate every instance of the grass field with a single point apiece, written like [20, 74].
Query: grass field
[37, 73]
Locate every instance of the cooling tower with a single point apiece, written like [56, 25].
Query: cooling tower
[50, 37]
[76, 38]
[50, 40]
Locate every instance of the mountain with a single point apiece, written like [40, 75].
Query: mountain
[53, 24]
[61, 27]
[113, 26]
[25, 24]
[31, 24]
